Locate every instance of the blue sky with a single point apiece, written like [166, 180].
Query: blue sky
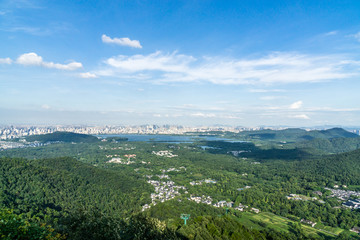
[241, 63]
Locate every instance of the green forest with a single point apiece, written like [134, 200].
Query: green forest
[288, 184]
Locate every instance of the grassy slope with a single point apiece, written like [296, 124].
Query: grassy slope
[282, 224]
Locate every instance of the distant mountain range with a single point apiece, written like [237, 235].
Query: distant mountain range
[297, 134]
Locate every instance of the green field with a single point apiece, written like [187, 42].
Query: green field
[282, 224]
[336, 231]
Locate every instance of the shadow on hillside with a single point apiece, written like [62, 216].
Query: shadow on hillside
[249, 150]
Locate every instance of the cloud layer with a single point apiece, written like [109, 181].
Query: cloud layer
[121, 41]
[87, 75]
[356, 36]
[296, 105]
[32, 59]
[5, 61]
[274, 68]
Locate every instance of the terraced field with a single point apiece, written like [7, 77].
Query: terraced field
[259, 221]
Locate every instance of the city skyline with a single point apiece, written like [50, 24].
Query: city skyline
[246, 63]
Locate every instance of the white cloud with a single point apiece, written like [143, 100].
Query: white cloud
[213, 115]
[121, 41]
[331, 33]
[300, 116]
[330, 109]
[269, 98]
[45, 106]
[296, 105]
[87, 75]
[157, 61]
[275, 68]
[204, 115]
[32, 59]
[5, 61]
[70, 66]
[51, 29]
[356, 36]
[230, 117]
[265, 90]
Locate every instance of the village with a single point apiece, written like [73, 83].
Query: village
[164, 153]
[342, 194]
[165, 191]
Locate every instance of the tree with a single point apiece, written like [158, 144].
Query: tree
[13, 226]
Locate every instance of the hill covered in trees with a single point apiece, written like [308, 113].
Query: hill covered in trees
[63, 137]
[58, 186]
[292, 134]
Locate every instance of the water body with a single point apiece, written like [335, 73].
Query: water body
[166, 138]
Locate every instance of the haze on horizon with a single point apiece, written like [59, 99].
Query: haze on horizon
[242, 63]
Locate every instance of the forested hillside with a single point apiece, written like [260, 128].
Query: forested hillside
[333, 145]
[293, 134]
[63, 137]
[61, 185]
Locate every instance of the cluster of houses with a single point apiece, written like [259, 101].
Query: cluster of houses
[236, 153]
[246, 187]
[112, 155]
[164, 153]
[299, 197]
[146, 206]
[352, 203]
[130, 156]
[293, 196]
[120, 161]
[342, 194]
[224, 204]
[164, 191]
[116, 159]
[163, 176]
[202, 181]
[318, 193]
[172, 169]
[221, 204]
[203, 199]
[241, 207]
[355, 229]
[9, 145]
[117, 148]
[308, 222]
